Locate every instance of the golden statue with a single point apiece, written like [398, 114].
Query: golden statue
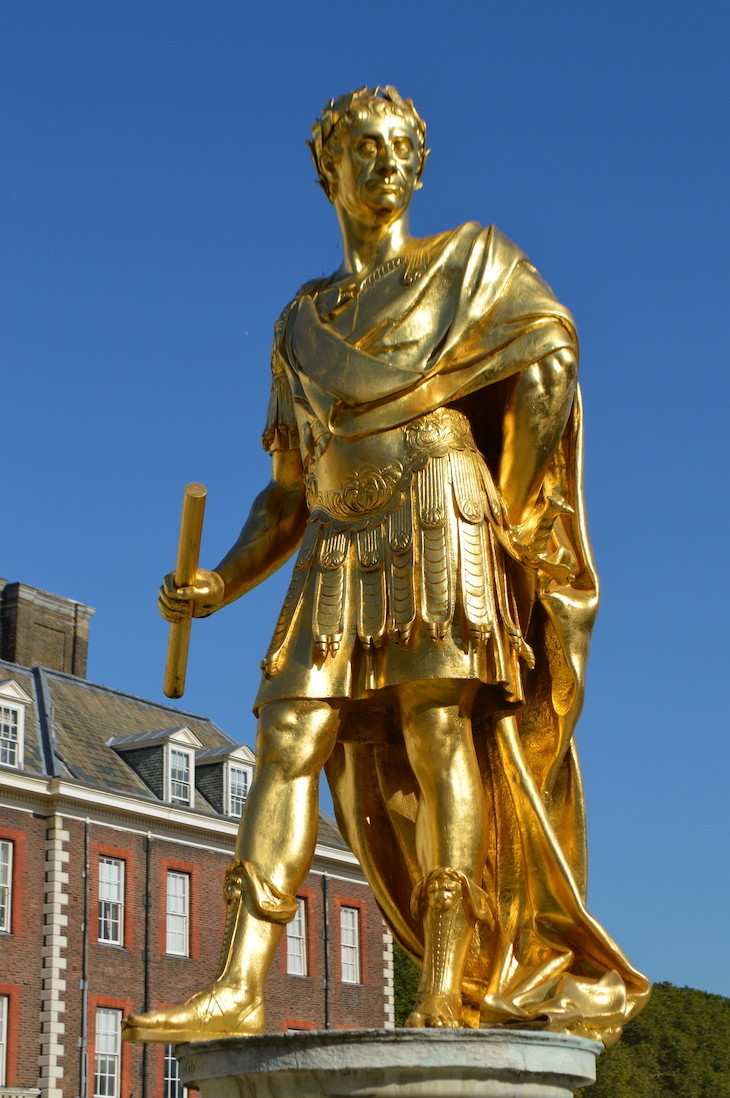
[425, 434]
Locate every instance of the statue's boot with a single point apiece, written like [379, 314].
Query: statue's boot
[232, 1005]
[449, 903]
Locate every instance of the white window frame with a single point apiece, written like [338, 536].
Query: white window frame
[6, 885]
[350, 944]
[179, 797]
[296, 941]
[4, 1008]
[12, 734]
[111, 910]
[107, 1052]
[13, 700]
[233, 797]
[172, 1085]
[177, 917]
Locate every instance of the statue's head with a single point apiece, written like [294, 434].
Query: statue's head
[368, 115]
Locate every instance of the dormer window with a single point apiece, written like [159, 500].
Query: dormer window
[238, 781]
[223, 776]
[10, 745]
[13, 700]
[180, 769]
[164, 760]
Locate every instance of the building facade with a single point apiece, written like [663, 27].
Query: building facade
[118, 817]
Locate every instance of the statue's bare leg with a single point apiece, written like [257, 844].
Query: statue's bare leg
[278, 830]
[274, 852]
[451, 836]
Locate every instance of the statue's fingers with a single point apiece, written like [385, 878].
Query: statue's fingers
[173, 613]
[169, 587]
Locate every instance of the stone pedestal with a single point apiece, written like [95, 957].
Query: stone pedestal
[402, 1063]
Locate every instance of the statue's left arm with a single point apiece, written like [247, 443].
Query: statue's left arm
[534, 422]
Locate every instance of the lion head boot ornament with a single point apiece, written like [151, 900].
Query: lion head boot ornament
[449, 904]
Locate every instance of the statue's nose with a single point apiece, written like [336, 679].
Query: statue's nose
[387, 157]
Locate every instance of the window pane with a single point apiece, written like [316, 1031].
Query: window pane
[296, 949]
[8, 736]
[173, 1087]
[3, 1037]
[6, 881]
[178, 912]
[350, 944]
[111, 900]
[179, 776]
[107, 1053]
[238, 778]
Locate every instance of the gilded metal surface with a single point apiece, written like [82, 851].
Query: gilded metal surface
[188, 550]
[425, 434]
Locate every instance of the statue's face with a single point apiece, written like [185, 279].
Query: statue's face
[376, 171]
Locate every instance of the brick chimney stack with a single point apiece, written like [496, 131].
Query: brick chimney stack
[38, 629]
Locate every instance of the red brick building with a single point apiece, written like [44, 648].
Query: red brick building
[117, 818]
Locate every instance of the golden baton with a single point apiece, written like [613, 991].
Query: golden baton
[188, 551]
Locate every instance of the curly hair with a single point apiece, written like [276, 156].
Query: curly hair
[339, 114]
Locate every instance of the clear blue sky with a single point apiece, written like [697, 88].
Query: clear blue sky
[159, 208]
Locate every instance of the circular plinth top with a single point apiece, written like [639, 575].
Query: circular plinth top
[401, 1063]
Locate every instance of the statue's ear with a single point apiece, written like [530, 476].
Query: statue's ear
[328, 167]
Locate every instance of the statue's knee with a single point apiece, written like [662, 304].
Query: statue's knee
[433, 736]
[295, 736]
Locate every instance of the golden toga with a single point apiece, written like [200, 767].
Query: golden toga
[408, 570]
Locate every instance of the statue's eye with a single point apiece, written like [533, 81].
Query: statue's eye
[403, 148]
[367, 147]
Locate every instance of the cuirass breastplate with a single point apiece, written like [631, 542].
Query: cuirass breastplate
[362, 479]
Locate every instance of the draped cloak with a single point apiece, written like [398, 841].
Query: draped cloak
[453, 327]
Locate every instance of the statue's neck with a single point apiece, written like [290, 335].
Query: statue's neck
[366, 246]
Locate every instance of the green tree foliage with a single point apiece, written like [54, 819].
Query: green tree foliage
[679, 1045]
[406, 975]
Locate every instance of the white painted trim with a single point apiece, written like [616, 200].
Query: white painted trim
[182, 736]
[5, 1001]
[355, 946]
[82, 802]
[334, 854]
[185, 737]
[388, 979]
[9, 905]
[236, 764]
[181, 749]
[15, 704]
[241, 753]
[52, 1047]
[122, 883]
[21, 782]
[15, 693]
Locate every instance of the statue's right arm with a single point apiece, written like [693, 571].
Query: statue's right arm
[269, 536]
[272, 530]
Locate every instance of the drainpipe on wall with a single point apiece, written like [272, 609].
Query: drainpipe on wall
[84, 983]
[326, 937]
[147, 955]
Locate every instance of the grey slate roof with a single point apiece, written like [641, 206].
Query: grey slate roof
[213, 754]
[87, 716]
[141, 739]
[34, 760]
[329, 832]
[71, 721]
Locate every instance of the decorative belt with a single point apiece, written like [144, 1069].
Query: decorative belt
[370, 491]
